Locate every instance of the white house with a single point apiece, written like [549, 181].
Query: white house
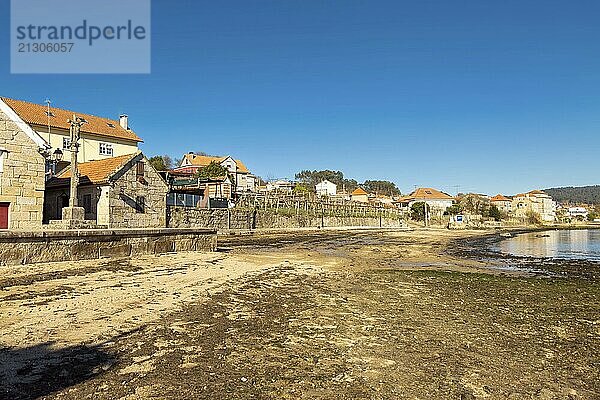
[326, 188]
[435, 199]
[100, 137]
[575, 212]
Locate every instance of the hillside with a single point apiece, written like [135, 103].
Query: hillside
[583, 194]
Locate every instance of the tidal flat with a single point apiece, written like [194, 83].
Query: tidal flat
[425, 314]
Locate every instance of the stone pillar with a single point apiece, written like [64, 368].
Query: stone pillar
[73, 215]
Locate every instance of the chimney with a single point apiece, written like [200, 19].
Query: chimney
[124, 121]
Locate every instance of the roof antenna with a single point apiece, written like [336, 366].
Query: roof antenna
[48, 113]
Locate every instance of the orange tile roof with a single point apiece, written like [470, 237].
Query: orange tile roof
[532, 193]
[203, 161]
[499, 197]
[98, 171]
[241, 167]
[359, 192]
[429, 193]
[37, 114]
[404, 199]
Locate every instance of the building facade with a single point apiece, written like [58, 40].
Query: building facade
[503, 203]
[280, 185]
[22, 173]
[243, 180]
[188, 190]
[326, 188]
[435, 199]
[534, 202]
[117, 192]
[578, 212]
[360, 196]
[100, 137]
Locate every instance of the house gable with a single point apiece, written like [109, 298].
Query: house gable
[23, 126]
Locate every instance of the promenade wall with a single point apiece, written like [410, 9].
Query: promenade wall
[20, 247]
[235, 219]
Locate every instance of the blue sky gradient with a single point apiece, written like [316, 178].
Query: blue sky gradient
[484, 96]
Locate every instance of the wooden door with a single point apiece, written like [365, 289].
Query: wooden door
[4, 215]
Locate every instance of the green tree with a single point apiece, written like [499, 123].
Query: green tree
[212, 170]
[311, 178]
[494, 212]
[417, 211]
[454, 209]
[533, 218]
[161, 163]
[474, 203]
[381, 187]
[301, 188]
[576, 195]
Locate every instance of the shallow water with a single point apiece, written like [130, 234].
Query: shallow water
[570, 244]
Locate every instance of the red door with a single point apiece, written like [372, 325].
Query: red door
[4, 215]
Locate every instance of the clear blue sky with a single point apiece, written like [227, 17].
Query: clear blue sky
[493, 96]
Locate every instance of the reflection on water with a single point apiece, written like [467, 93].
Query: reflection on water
[560, 244]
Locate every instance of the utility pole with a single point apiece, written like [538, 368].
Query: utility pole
[457, 189]
[49, 114]
[75, 130]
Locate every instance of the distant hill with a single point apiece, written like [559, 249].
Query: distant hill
[583, 194]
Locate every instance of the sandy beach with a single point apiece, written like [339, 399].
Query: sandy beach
[332, 315]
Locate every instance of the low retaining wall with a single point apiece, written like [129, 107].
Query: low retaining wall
[49, 246]
[221, 219]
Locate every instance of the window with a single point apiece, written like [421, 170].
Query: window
[106, 149]
[140, 169]
[66, 143]
[140, 202]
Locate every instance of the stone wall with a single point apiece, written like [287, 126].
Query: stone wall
[22, 177]
[50, 246]
[121, 201]
[184, 217]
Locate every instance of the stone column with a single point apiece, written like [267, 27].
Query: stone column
[74, 215]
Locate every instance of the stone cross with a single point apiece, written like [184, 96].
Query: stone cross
[75, 129]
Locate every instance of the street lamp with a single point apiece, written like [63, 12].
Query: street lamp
[57, 156]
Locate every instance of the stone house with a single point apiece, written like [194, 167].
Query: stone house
[100, 137]
[243, 180]
[326, 188]
[22, 171]
[503, 203]
[536, 202]
[116, 192]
